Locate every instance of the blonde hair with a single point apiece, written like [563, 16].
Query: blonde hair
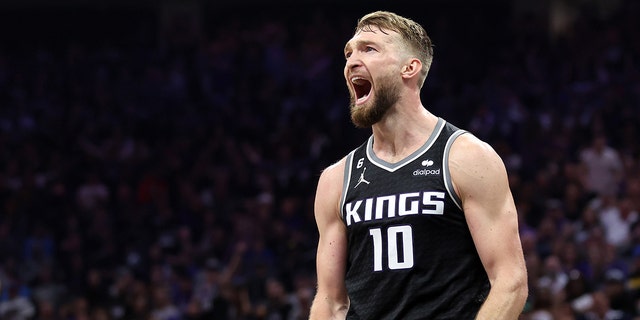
[410, 31]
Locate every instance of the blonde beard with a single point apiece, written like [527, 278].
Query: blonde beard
[373, 111]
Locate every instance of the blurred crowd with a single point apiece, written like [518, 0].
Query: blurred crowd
[174, 178]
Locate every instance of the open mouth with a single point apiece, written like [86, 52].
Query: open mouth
[361, 88]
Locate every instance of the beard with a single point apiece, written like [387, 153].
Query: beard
[386, 95]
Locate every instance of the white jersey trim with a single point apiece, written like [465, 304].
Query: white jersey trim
[392, 167]
[446, 173]
[347, 180]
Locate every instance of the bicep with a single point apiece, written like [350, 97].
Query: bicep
[331, 264]
[494, 228]
[482, 184]
[332, 243]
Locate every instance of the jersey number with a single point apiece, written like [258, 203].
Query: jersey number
[405, 236]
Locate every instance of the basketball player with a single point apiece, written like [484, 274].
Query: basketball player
[419, 221]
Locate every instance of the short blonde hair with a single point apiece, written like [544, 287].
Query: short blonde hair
[410, 31]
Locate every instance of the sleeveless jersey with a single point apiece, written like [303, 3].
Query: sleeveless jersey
[410, 252]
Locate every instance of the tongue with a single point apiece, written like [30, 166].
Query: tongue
[363, 97]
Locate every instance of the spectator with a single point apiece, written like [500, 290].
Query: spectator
[163, 307]
[617, 219]
[128, 157]
[15, 305]
[603, 168]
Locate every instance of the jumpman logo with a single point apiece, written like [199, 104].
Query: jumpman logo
[362, 179]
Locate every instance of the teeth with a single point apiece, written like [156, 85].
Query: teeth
[358, 80]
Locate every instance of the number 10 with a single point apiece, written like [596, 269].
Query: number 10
[392, 248]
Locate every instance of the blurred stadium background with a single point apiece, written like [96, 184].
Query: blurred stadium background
[159, 158]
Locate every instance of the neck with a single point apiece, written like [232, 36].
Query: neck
[402, 131]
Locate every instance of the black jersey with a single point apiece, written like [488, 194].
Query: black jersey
[410, 252]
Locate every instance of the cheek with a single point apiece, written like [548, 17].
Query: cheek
[345, 71]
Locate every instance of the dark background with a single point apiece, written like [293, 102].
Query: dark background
[159, 158]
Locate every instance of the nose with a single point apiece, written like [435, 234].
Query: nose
[352, 62]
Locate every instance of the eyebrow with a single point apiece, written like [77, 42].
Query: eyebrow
[357, 43]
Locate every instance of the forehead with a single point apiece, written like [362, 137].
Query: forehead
[372, 35]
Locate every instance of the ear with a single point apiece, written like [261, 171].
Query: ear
[412, 68]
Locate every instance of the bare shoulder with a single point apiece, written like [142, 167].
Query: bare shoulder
[331, 178]
[475, 165]
[333, 172]
[468, 148]
[329, 189]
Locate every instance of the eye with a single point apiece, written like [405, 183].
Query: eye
[369, 49]
[347, 54]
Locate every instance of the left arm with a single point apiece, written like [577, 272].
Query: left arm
[480, 179]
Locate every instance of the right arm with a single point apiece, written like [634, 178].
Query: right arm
[331, 300]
